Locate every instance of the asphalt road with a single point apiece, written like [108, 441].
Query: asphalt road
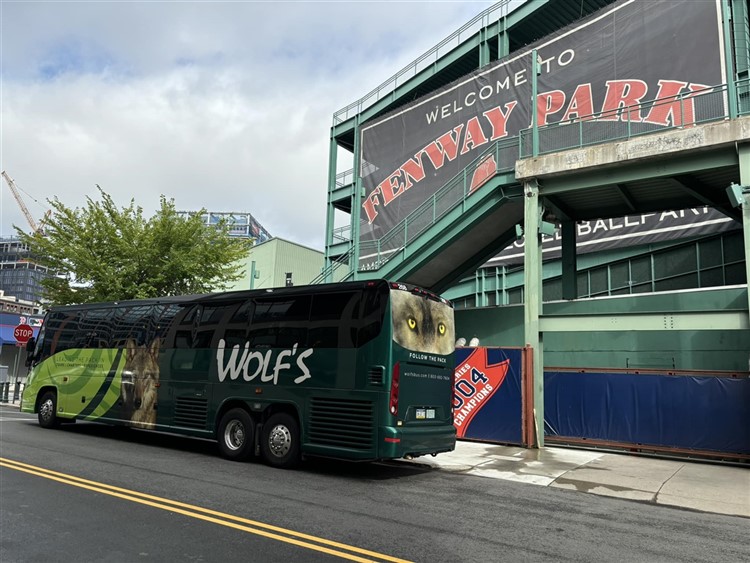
[93, 508]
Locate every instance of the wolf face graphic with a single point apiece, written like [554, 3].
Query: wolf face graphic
[140, 381]
[422, 325]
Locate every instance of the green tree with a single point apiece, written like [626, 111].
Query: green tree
[105, 253]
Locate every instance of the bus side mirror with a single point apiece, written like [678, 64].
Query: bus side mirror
[30, 346]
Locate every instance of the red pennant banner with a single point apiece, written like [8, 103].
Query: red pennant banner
[475, 381]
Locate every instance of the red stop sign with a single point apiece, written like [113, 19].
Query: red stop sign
[22, 333]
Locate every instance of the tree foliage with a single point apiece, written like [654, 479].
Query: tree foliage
[105, 253]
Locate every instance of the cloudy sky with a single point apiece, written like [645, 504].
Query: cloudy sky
[219, 105]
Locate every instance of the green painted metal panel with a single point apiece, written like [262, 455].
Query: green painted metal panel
[684, 349]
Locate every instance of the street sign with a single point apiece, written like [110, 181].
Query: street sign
[22, 333]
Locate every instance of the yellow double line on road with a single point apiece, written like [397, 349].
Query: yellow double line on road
[307, 541]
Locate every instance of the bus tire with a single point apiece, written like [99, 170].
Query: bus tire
[47, 411]
[280, 441]
[236, 435]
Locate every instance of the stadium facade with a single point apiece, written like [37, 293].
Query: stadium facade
[369, 210]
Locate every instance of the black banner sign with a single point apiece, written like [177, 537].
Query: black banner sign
[631, 230]
[629, 53]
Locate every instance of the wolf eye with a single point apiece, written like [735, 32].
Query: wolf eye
[412, 322]
[441, 328]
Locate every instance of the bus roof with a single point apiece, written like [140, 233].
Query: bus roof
[229, 296]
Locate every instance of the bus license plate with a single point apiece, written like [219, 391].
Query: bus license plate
[424, 414]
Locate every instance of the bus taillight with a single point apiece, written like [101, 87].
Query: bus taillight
[394, 389]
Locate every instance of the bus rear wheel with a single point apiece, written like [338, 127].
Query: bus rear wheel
[236, 435]
[280, 441]
[47, 411]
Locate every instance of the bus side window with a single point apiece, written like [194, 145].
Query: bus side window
[334, 320]
[60, 330]
[211, 322]
[131, 324]
[237, 328]
[84, 332]
[374, 303]
[164, 319]
[280, 322]
[96, 328]
[179, 334]
[104, 329]
[179, 338]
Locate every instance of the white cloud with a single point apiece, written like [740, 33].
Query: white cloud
[225, 106]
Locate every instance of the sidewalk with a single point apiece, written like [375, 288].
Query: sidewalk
[708, 487]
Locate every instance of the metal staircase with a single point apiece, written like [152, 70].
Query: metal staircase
[473, 216]
[463, 224]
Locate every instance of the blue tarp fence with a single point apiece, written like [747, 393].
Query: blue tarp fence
[708, 412]
[699, 411]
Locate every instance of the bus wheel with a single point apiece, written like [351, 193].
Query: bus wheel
[47, 412]
[280, 441]
[236, 435]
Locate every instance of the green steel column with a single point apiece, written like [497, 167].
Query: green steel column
[356, 202]
[741, 34]
[330, 210]
[729, 50]
[744, 154]
[532, 288]
[534, 112]
[503, 42]
[569, 260]
[484, 48]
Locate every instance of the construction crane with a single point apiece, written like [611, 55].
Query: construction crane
[13, 188]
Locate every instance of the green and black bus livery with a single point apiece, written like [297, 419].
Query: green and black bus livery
[357, 370]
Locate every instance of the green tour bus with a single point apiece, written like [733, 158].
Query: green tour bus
[355, 370]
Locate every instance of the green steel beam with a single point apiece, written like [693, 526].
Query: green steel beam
[695, 188]
[503, 44]
[558, 208]
[341, 194]
[626, 196]
[729, 57]
[533, 104]
[356, 202]
[525, 11]
[630, 171]
[484, 47]
[330, 209]
[336, 249]
[741, 32]
[620, 322]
